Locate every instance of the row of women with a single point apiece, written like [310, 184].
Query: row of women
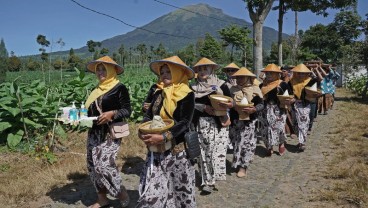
[168, 176]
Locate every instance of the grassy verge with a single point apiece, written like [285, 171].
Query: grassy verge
[348, 169]
[26, 178]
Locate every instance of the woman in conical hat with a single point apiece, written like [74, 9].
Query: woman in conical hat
[212, 129]
[229, 70]
[300, 79]
[274, 114]
[245, 143]
[168, 178]
[110, 101]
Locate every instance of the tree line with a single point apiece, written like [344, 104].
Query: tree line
[337, 42]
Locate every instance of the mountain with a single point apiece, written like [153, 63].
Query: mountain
[185, 27]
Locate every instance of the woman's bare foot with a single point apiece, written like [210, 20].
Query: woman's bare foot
[242, 173]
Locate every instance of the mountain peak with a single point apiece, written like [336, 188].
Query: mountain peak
[192, 11]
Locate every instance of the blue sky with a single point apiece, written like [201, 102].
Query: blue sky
[22, 20]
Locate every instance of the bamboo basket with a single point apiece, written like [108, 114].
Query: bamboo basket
[144, 128]
[215, 100]
[239, 107]
[283, 98]
[311, 95]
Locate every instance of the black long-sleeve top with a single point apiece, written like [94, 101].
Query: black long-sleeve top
[182, 115]
[302, 97]
[150, 93]
[271, 96]
[206, 101]
[115, 99]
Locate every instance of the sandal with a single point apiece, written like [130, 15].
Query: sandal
[125, 202]
[206, 190]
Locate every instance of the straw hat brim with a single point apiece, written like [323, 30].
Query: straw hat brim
[156, 65]
[144, 128]
[216, 66]
[91, 66]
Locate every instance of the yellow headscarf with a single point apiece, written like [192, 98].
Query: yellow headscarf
[175, 92]
[104, 86]
[298, 85]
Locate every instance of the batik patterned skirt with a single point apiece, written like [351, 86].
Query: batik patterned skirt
[301, 120]
[213, 141]
[167, 180]
[275, 125]
[245, 145]
[102, 169]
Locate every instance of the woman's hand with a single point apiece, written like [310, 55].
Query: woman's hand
[209, 110]
[226, 105]
[105, 117]
[249, 110]
[290, 101]
[146, 106]
[152, 139]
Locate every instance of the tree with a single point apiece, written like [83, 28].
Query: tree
[323, 41]
[41, 39]
[61, 44]
[348, 26]
[14, 63]
[73, 60]
[104, 51]
[142, 49]
[122, 54]
[319, 7]
[3, 51]
[238, 38]
[160, 51]
[211, 48]
[188, 54]
[3, 60]
[91, 47]
[258, 11]
[32, 65]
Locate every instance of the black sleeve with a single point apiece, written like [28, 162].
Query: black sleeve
[124, 102]
[183, 116]
[150, 93]
[285, 86]
[258, 103]
[148, 115]
[225, 89]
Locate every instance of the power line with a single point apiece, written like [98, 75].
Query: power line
[130, 25]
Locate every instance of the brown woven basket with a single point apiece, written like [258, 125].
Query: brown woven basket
[144, 128]
[242, 115]
[283, 98]
[215, 100]
[311, 95]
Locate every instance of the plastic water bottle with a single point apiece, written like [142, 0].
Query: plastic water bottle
[83, 111]
[73, 113]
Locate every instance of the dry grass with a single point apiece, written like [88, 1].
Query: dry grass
[348, 169]
[25, 178]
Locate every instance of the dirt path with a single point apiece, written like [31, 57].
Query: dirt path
[288, 181]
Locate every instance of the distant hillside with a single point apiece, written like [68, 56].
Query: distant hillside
[182, 23]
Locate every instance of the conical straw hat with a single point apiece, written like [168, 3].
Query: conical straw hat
[175, 60]
[301, 68]
[230, 66]
[272, 68]
[243, 72]
[204, 62]
[91, 66]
